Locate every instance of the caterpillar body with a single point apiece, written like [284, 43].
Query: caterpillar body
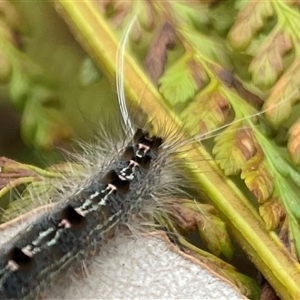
[81, 223]
[124, 180]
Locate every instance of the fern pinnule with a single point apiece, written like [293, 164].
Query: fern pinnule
[250, 19]
[271, 38]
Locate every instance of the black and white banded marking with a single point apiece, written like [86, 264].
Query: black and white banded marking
[81, 223]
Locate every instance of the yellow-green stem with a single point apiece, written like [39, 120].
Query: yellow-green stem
[95, 35]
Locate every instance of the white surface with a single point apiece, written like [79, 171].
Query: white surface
[145, 267]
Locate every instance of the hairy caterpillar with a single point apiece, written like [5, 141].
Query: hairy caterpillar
[184, 142]
[38, 254]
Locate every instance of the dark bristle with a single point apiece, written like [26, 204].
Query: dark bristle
[19, 257]
[138, 135]
[144, 162]
[143, 137]
[70, 214]
[157, 143]
[128, 153]
[113, 178]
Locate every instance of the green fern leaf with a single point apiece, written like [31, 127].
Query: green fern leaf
[180, 82]
[209, 110]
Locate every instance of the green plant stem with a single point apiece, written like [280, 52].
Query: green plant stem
[264, 248]
[15, 183]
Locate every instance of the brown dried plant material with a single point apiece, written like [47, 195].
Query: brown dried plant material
[224, 269]
[120, 12]
[294, 142]
[157, 53]
[11, 170]
[184, 217]
[248, 22]
[267, 64]
[285, 93]
[287, 238]
[116, 10]
[229, 80]
[268, 292]
[197, 73]
[225, 76]
[244, 142]
[284, 235]
[257, 177]
[189, 216]
[251, 98]
[237, 152]
[272, 213]
[39, 185]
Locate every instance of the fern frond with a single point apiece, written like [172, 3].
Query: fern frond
[189, 215]
[211, 56]
[233, 148]
[197, 86]
[180, 82]
[271, 37]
